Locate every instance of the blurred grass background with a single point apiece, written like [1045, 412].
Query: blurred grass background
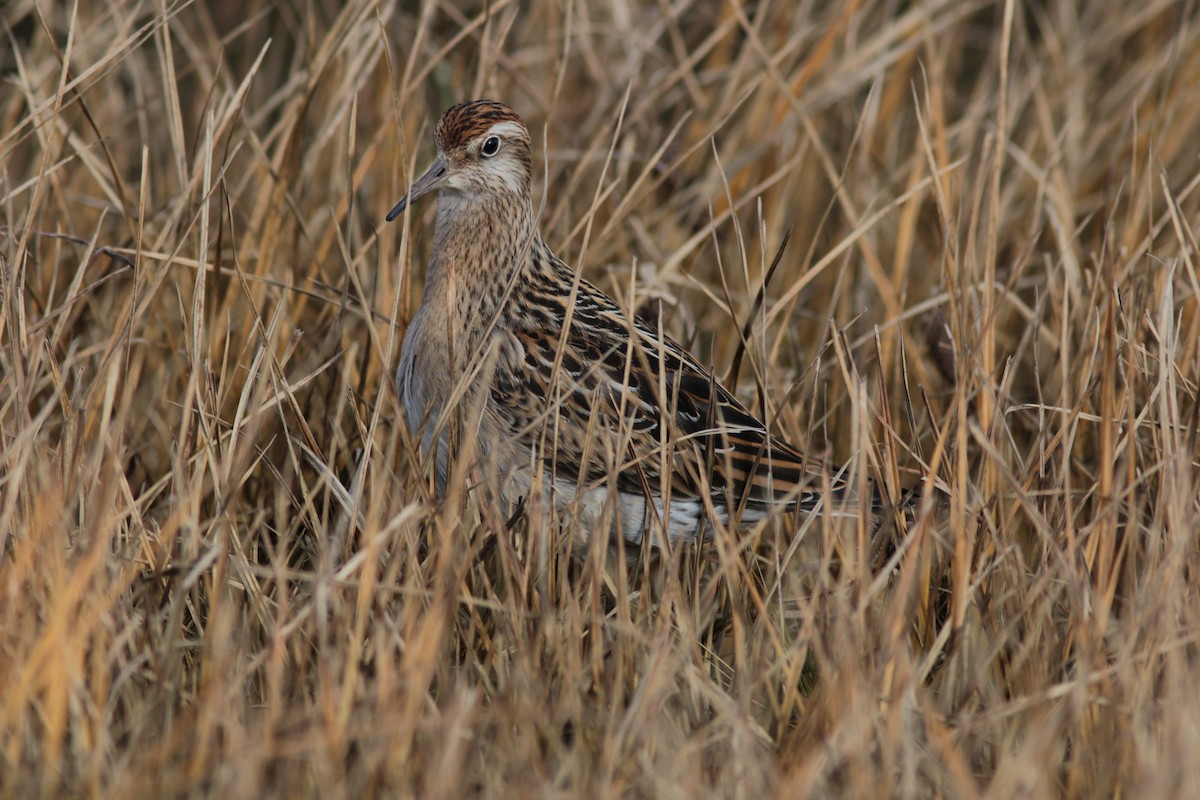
[990, 286]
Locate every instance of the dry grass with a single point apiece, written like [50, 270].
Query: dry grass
[991, 284]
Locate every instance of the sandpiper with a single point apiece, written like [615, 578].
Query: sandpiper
[571, 400]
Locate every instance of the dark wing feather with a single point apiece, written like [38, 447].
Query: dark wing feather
[645, 396]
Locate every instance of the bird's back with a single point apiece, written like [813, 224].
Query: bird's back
[613, 405]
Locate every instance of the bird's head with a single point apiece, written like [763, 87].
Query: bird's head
[483, 150]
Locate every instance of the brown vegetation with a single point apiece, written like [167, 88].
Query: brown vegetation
[991, 285]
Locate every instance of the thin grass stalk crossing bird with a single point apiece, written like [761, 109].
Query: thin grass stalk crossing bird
[593, 410]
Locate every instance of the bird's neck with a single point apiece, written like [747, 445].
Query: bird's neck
[482, 244]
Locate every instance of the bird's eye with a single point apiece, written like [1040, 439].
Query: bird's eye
[491, 146]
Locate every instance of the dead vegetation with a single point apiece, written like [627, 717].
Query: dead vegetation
[991, 286]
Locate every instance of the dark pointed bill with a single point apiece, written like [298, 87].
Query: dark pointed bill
[421, 187]
[398, 209]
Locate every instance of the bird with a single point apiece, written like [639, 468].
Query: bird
[569, 399]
